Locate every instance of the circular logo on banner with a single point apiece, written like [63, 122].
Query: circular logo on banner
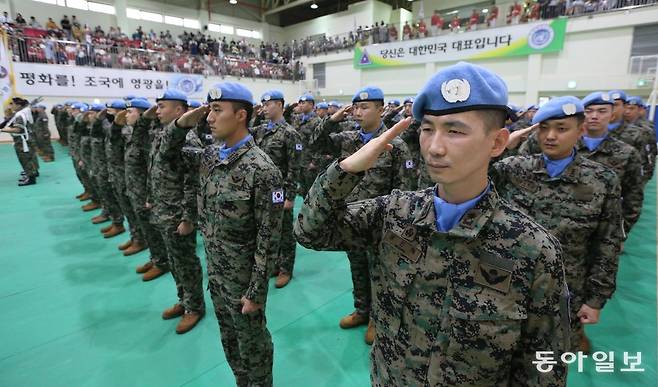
[186, 85]
[541, 36]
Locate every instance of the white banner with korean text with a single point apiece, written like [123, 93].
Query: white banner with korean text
[51, 80]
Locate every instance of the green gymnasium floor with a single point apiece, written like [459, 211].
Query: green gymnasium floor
[74, 313]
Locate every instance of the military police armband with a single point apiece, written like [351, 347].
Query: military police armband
[278, 196]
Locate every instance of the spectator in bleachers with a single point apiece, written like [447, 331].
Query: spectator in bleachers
[34, 23]
[5, 18]
[51, 25]
[20, 20]
[455, 24]
[65, 23]
[436, 23]
[474, 20]
[406, 31]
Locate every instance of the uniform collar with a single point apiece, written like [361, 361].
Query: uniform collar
[602, 148]
[272, 126]
[470, 224]
[236, 150]
[570, 174]
[365, 137]
[449, 214]
[556, 167]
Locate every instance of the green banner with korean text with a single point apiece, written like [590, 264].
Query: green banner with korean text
[518, 40]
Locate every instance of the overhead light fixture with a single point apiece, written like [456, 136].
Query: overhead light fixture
[571, 84]
[314, 6]
[233, 1]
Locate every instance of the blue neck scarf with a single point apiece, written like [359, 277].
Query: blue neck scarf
[272, 124]
[306, 117]
[365, 137]
[225, 152]
[556, 167]
[593, 142]
[448, 214]
[614, 125]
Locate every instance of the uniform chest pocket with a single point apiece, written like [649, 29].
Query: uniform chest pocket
[233, 210]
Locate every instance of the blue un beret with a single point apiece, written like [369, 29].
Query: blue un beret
[140, 103]
[116, 104]
[334, 104]
[617, 94]
[634, 101]
[322, 105]
[96, 107]
[408, 100]
[460, 88]
[598, 98]
[193, 104]
[559, 107]
[307, 97]
[130, 97]
[40, 106]
[394, 102]
[172, 95]
[272, 95]
[230, 91]
[83, 107]
[369, 93]
[70, 103]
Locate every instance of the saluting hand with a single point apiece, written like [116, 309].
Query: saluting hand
[192, 117]
[518, 136]
[341, 113]
[588, 315]
[150, 113]
[102, 114]
[120, 118]
[367, 156]
[249, 307]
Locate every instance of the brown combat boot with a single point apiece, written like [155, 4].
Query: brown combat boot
[125, 244]
[173, 312]
[141, 269]
[85, 196]
[48, 159]
[98, 219]
[189, 321]
[90, 206]
[106, 229]
[81, 195]
[282, 280]
[370, 333]
[135, 248]
[153, 273]
[114, 231]
[353, 320]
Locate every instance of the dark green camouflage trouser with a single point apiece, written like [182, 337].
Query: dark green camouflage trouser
[360, 269]
[185, 266]
[43, 142]
[28, 160]
[246, 340]
[286, 261]
[151, 236]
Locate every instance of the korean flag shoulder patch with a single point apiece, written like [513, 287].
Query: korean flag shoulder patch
[278, 196]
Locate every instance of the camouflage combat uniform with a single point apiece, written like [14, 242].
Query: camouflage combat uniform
[469, 307]
[305, 124]
[284, 146]
[60, 118]
[100, 171]
[240, 203]
[393, 170]
[582, 208]
[166, 196]
[643, 140]
[136, 159]
[42, 135]
[25, 146]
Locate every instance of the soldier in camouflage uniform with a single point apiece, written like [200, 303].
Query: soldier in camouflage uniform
[74, 124]
[42, 133]
[59, 116]
[642, 139]
[20, 128]
[643, 119]
[85, 152]
[284, 146]
[577, 200]
[525, 120]
[409, 136]
[100, 171]
[169, 216]
[240, 202]
[141, 116]
[305, 123]
[467, 293]
[598, 146]
[394, 170]
[633, 116]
